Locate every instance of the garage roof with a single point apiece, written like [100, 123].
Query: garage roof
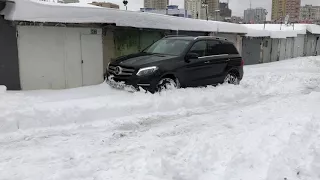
[27, 10]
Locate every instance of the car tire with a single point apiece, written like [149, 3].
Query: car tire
[232, 78]
[167, 84]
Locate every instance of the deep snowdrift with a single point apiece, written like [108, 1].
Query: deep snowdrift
[266, 128]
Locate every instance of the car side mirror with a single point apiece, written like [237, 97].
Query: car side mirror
[190, 56]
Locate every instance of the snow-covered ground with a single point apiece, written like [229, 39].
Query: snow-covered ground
[268, 128]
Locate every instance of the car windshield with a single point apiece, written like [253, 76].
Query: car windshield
[173, 47]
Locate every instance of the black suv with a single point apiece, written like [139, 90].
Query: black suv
[178, 61]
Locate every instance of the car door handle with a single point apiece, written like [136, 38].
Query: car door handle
[207, 62]
[228, 60]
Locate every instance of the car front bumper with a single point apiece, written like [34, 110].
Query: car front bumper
[133, 83]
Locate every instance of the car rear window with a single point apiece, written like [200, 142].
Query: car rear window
[228, 48]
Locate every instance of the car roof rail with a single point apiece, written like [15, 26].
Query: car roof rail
[167, 36]
[211, 37]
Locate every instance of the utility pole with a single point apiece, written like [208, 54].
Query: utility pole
[125, 3]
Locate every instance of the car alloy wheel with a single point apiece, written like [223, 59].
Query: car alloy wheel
[231, 79]
[167, 84]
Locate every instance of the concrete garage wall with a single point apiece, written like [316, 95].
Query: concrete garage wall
[108, 47]
[9, 63]
[131, 40]
[59, 57]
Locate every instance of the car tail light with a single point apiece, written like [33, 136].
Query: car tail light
[242, 62]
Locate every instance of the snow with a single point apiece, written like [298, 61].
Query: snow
[280, 30]
[3, 88]
[26, 10]
[265, 128]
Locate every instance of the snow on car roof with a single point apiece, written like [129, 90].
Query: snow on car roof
[27, 10]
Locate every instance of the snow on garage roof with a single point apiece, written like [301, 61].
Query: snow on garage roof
[26, 10]
[313, 28]
[275, 30]
[281, 31]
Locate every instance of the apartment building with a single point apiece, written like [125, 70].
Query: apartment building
[281, 8]
[213, 9]
[172, 10]
[309, 12]
[225, 11]
[257, 15]
[196, 9]
[156, 4]
[293, 9]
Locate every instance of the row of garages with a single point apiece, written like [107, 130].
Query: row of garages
[257, 50]
[59, 57]
[60, 54]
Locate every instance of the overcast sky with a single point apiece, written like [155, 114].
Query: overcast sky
[237, 6]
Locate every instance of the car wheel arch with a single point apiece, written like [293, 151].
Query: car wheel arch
[233, 71]
[173, 76]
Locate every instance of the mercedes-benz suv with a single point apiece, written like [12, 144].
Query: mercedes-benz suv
[178, 62]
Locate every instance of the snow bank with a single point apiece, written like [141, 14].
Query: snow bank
[3, 88]
[266, 128]
[26, 10]
[81, 105]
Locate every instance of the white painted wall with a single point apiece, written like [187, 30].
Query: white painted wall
[51, 57]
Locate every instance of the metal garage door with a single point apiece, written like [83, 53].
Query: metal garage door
[251, 50]
[51, 58]
[289, 48]
[266, 51]
[274, 50]
[91, 54]
[9, 63]
[298, 46]
[282, 49]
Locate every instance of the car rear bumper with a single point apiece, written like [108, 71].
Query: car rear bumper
[241, 72]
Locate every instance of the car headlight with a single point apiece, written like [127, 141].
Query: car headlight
[147, 71]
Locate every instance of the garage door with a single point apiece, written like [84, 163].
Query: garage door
[51, 57]
[251, 50]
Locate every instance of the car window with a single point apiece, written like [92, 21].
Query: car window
[168, 46]
[229, 48]
[214, 48]
[199, 48]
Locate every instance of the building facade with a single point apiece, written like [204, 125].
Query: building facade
[213, 9]
[225, 12]
[171, 10]
[278, 9]
[234, 19]
[281, 8]
[255, 16]
[105, 4]
[156, 4]
[310, 13]
[196, 9]
[293, 9]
